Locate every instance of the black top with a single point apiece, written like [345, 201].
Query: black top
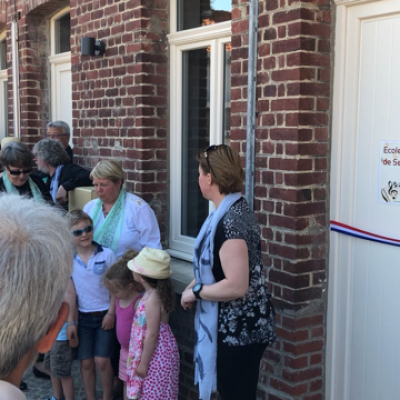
[70, 153]
[71, 177]
[251, 318]
[26, 190]
[44, 176]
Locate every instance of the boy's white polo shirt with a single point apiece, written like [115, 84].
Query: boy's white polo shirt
[88, 279]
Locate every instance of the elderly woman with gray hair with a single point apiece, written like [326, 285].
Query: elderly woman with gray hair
[16, 159]
[52, 159]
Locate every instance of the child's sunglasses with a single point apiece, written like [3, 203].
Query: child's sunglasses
[78, 232]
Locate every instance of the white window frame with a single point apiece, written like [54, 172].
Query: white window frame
[216, 36]
[3, 107]
[56, 61]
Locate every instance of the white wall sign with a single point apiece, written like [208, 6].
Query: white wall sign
[389, 172]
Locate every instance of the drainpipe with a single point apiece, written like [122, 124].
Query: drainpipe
[251, 101]
[15, 78]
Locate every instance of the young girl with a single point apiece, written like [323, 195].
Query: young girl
[119, 281]
[153, 361]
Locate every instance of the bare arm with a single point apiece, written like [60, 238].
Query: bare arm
[185, 305]
[109, 318]
[153, 317]
[235, 264]
[70, 298]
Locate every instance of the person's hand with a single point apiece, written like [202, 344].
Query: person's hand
[141, 370]
[108, 322]
[72, 336]
[61, 195]
[187, 298]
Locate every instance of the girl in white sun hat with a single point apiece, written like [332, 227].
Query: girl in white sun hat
[153, 361]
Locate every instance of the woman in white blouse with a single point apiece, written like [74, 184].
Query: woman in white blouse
[122, 221]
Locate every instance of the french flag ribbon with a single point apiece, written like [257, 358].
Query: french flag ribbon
[360, 234]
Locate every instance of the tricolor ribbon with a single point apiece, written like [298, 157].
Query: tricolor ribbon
[360, 234]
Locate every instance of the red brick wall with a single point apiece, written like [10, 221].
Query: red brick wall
[120, 99]
[291, 202]
[120, 110]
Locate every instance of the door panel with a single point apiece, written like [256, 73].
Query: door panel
[364, 277]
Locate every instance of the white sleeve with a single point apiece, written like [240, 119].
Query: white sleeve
[88, 206]
[148, 227]
[111, 258]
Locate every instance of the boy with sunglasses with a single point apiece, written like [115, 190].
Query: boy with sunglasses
[96, 319]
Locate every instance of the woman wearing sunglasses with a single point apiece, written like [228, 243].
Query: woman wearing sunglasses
[16, 160]
[122, 221]
[234, 320]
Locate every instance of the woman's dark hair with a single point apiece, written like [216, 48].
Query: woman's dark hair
[224, 164]
[16, 154]
[165, 291]
[120, 275]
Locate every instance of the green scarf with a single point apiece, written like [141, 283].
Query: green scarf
[108, 232]
[36, 193]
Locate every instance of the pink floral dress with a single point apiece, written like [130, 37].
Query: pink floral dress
[162, 381]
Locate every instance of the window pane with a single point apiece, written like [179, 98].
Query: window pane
[63, 34]
[196, 13]
[3, 55]
[227, 94]
[195, 136]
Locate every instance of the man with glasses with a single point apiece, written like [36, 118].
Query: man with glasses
[59, 130]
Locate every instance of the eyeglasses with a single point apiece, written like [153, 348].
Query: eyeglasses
[210, 149]
[17, 172]
[79, 232]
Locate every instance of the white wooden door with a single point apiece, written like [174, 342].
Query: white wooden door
[61, 89]
[363, 345]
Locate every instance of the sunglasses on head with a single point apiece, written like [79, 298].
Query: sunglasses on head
[79, 232]
[18, 172]
[210, 149]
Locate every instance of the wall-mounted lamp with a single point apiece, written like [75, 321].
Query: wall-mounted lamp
[92, 47]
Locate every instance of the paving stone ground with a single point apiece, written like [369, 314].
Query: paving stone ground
[40, 389]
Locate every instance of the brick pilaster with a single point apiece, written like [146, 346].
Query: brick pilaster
[120, 99]
[291, 201]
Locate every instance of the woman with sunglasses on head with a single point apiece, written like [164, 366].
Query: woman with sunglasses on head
[16, 160]
[234, 320]
[122, 221]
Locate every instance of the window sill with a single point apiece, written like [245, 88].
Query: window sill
[182, 274]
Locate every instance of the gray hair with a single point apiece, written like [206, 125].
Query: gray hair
[36, 259]
[60, 124]
[51, 151]
[16, 154]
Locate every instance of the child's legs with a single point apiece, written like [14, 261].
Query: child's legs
[67, 384]
[57, 388]
[106, 373]
[88, 375]
[125, 395]
[88, 323]
[104, 350]
[59, 362]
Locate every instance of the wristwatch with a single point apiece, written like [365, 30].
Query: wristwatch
[197, 289]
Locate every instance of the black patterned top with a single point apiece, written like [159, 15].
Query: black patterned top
[250, 319]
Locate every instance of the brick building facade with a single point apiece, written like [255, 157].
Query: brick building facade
[122, 106]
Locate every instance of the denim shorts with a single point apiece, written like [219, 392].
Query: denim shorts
[94, 341]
